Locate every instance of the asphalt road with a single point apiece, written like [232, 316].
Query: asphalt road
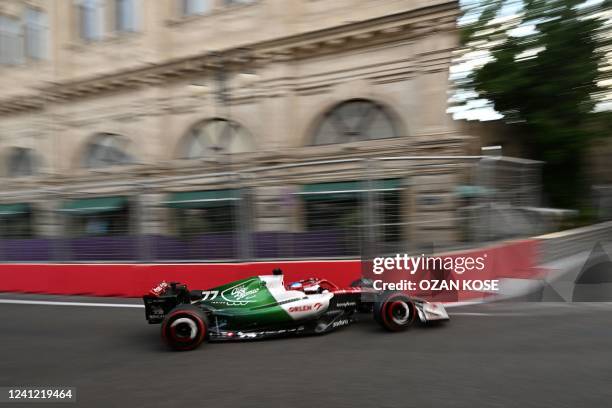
[497, 355]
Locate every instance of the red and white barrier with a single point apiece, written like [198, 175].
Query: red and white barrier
[509, 260]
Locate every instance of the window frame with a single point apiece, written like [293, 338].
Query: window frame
[187, 8]
[230, 132]
[11, 38]
[41, 29]
[95, 12]
[96, 153]
[346, 132]
[120, 23]
[26, 157]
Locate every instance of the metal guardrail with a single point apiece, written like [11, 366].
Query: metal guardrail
[559, 245]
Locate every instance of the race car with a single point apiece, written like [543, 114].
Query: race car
[263, 307]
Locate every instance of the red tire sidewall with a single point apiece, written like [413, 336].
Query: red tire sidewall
[387, 309]
[191, 315]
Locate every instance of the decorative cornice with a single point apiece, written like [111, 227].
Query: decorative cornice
[305, 161]
[391, 28]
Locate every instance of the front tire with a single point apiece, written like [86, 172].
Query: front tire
[395, 311]
[184, 328]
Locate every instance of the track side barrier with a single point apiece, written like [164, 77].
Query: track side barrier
[512, 260]
[134, 280]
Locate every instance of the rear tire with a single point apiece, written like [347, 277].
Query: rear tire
[184, 328]
[395, 311]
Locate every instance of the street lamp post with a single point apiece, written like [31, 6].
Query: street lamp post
[223, 99]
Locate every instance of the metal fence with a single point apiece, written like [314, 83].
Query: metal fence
[602, 201]
[326, 209]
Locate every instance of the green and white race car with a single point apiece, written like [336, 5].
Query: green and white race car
[263, 307]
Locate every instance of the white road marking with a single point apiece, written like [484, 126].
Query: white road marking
[492, 314]
[50, 303]
[531, 313]
[471, 314]
[449, 305]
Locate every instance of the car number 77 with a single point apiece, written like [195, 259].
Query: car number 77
[209, 293]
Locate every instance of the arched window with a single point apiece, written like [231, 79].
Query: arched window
[106, 150]
[355, 120]
[214, 136]
[21, 162]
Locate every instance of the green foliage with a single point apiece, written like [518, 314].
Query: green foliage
[548, 95]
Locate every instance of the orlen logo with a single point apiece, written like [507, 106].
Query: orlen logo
[304, 308]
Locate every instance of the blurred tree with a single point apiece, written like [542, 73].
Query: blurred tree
[541, 73]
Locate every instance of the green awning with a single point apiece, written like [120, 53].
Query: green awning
[9, 210]
[471, 191]
[202, 199]
[346, 189]
[388, 184]
[97, 205]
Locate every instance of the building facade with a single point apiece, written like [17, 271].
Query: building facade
[119, 115]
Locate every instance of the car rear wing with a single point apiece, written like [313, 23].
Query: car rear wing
[165, 297]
